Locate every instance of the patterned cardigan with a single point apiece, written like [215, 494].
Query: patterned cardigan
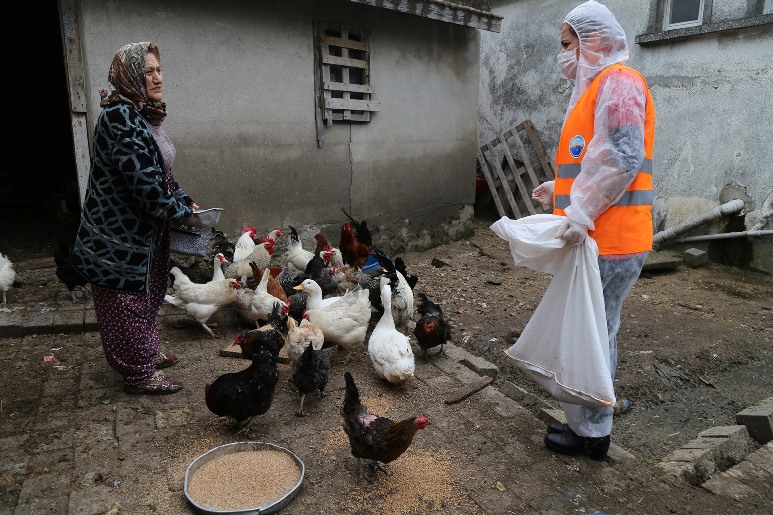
[127, 203]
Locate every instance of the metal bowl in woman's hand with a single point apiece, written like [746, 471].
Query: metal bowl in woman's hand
[203, 218]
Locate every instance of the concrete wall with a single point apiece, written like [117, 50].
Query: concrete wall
[712, 94]
[239, 88]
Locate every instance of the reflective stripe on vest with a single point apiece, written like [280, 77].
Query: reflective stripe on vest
[625, 227]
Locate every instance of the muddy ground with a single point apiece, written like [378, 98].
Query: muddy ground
[710, 327]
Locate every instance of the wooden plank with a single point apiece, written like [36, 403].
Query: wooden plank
[505, 185]
[490, 181]
[449, 13]
[354, 105]
[539, 149]
[527, 163]
[318, 115]
[345, 73]
[72, 51]
[343, 61]
[354, 88]
[324, 49]
[465, 391]
[525, 194]
[345, 43]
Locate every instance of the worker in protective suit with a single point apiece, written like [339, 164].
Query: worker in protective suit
[603, 186]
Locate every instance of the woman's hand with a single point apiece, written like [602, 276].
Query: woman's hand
[544, 193]
[194, 206]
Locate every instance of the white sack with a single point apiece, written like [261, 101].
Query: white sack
[564, 347]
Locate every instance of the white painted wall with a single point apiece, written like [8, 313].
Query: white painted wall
[712, 95]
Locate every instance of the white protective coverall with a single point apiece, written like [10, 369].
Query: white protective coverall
[609, 166]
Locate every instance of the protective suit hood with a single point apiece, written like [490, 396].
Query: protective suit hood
[602, 43]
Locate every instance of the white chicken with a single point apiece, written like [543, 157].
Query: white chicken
[201, 301]
[300, 336]
[389, 349]
[262, 302]
[402, 305]
[7, 275]
[261, 255]
[245, 244]
[345, 321]
[296, 254]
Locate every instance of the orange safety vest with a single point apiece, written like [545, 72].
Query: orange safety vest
[626, 226]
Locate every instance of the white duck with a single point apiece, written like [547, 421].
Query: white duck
[315, 299]
[389, 349]
[343, 322]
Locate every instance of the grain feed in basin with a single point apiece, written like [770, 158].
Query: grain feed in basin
[243, 480]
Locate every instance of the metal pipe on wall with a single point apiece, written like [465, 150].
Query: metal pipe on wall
[728, 208]
[725, 235]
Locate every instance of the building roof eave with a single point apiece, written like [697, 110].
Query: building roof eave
[442, 11]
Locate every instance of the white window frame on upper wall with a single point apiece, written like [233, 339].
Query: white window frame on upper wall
[691, 23]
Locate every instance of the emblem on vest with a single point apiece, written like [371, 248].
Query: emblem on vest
[576, 146]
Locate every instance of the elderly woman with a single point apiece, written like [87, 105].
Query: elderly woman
[603, 185]
[122, 245]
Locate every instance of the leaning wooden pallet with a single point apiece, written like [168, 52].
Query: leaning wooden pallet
[506, 175]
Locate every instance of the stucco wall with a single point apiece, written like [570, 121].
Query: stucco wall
[239, 87]
[712, 94]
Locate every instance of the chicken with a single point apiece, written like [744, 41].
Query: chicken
[275, 326]
[353, 252]
[248, 393]
[289, 278]
[344, 322]
[65, 271]
[297, 305]
[323, 274]
[373, 285]
[245, 244]
[7, 275]
[262, 302]
[272, 287]
[311, 372]
[410, 279]
[334, 254]
[200, 276]
[431, 328]
[296, 254]
[389, 349]
[372, 437]
[201, 301]
[402, 295]
[300, 336]
[271, 236]
[67, 220]
[261, 256]
[361, 231]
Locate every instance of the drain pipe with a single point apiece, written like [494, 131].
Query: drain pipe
[728, 208]
[726, 235]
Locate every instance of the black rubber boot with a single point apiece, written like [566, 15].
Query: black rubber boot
[557, 427]
[570, 444]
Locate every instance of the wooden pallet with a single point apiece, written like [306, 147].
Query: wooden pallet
[509, 177]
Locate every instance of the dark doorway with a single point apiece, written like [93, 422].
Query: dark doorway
[37, 185]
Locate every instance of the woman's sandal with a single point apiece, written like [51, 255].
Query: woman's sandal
[158, 383]
[622, 406]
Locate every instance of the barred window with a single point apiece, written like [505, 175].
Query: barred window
[342, 75]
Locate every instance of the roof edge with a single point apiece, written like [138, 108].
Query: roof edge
[442, 11]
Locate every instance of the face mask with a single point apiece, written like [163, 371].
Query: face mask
[568, 63]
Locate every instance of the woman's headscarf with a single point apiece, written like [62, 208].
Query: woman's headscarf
[127, 81]
[602, 43]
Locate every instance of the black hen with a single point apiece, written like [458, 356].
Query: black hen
[373, 437]
[431, 329]
[361, 231]
[245, 394]
[323, 274]
[372, 284]
[67, 218]
[312, 372]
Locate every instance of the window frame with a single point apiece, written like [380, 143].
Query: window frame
[693, 23]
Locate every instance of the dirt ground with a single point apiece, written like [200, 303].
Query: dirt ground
[710, 327]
